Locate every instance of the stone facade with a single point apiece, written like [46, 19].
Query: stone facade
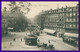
[61, 19]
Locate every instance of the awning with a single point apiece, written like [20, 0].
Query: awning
[71, 35]
[49, 31]
[10, 28]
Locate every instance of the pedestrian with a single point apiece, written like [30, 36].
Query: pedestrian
[50, 47]
[26, 33]
[14, 39]
[44, 46]
[10, 43]
[38, 40]
[49, 41]
[21, 39]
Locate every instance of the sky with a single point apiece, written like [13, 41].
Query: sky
[37, 7]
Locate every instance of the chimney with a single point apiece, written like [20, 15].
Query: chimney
[62, 8]
[66, 6]
[51, 9]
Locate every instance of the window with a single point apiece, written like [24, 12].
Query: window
[70, 9]
[77, 13]
[60, 19]
[70, 14]
[70, 19]
[74, 14]
[67, 25]
[60, 24]
[60, 29]
[74, 9]
[66, 14]
[67, 19]
[74, 19]
[49, 11]
[70, 25]
[77, 19]
[74, 25]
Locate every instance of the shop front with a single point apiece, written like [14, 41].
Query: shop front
[50, 32]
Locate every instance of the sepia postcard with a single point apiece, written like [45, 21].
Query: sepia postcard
[41, 26]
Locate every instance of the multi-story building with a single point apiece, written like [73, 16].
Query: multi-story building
[10, 20]
[55, 20]
[71, 20]
[62, 19]
[51, 19]
[4, 26]
[4, 23]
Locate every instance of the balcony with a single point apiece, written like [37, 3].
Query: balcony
[71, 21]
[71, 27]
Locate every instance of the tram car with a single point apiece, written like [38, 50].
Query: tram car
[30, 40]
[71, 38]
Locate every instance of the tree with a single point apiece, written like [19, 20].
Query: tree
[19, 21]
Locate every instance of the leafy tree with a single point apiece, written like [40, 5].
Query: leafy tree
[16, 15]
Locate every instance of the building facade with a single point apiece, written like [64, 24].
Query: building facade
[4, 26]
[62, 19]
[71, 22]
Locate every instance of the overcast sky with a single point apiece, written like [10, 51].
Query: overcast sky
[39, 6]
